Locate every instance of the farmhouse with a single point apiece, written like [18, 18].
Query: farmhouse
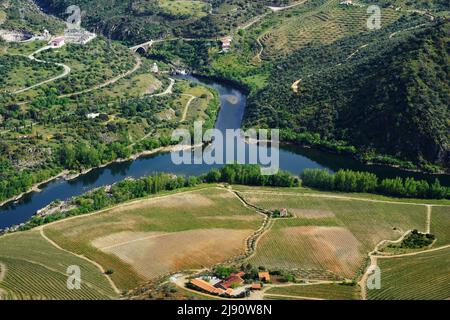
[92, 115]
[346, 2]
[226, 43]
[264, 276]
[206, 286]
[234, 280]
[155, 68]
[284, 213]
[227, 286]
[57, 42]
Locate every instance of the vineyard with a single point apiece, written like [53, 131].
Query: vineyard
[329, 234]
[320, 291]
[423, 277]
[323, 24]
[440, 225]
[145, 239]
[37, 270]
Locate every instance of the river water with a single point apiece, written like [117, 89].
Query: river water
[293, 159]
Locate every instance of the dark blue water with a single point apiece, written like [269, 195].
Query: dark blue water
[293, 159]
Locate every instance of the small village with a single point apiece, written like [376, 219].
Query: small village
[244, 282]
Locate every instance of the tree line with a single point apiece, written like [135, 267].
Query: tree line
[354, 181]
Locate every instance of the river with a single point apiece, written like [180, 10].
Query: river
[292, 158]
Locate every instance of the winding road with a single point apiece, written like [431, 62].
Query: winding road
[107, 83]
[66, 71]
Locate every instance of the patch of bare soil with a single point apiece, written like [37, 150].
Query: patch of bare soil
[155, 254]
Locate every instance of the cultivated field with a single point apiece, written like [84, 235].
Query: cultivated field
[329, 234]
[32, 268]
[319, 24]
[319, 291]
[148, 238]
[440, 225]
[423, 276]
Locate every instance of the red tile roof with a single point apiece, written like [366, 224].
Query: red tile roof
[256, 286]
[231, 280]
[202, 284]
[265, 276]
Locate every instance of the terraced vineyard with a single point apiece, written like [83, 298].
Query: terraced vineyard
[424, 276]
[319, 291]
[322, 25]
[35, 269]
[440, 225]
[329, 234]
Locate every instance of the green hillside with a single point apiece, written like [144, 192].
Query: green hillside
[383, 92]
[140, 20]
[25, 15]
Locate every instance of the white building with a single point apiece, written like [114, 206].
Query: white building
[155, 68]
[92, 115]
[57, 42]
[226, 43]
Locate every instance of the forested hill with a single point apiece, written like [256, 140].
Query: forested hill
[136, 21]
[390, 97]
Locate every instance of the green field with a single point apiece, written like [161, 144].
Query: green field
[329, 234]
[179, 218]
[423, 277]
[320, 291]
[35, 269]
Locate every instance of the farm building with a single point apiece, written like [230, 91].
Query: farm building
[284, 213]
[264, 276]
[155, 68]
[206, 286]
[57, 42]
[226, 43]
[235, 279]
[92, 115]
[256, 286]
[346, 2]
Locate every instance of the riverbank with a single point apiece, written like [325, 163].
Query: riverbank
[68, 176]
[34, 188]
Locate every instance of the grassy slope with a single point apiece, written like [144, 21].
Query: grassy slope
[35, 269]
[24, 15]
[424, 276]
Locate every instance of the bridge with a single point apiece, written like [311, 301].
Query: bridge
[144, 46]
[147, 45]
